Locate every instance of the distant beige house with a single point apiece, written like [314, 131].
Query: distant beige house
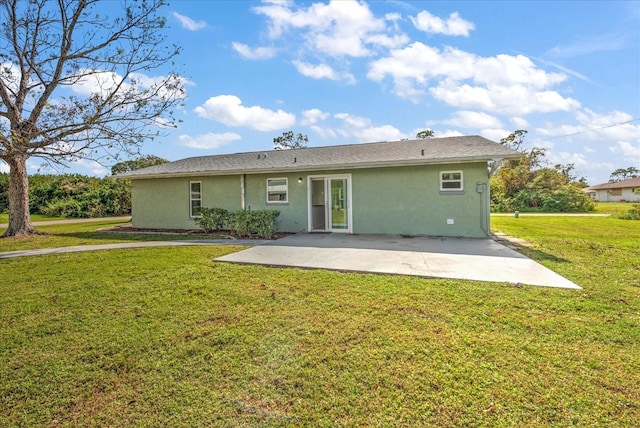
[621, 191]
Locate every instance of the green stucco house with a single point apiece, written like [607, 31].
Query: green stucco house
[437, 186]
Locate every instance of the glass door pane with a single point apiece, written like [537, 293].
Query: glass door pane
[339, 204]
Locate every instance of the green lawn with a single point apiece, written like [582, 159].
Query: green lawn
[4, 217]
[613, 207]
[166, 337]
[65, 235]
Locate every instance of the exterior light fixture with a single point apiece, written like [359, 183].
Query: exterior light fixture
[299, 179]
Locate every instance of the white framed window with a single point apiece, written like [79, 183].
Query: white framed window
[195, 198]
[451, 181]
[277, 191]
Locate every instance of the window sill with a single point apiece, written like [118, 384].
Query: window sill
[452, 192]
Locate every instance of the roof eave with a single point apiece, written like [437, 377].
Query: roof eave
[330, 167]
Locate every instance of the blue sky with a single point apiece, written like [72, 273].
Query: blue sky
[348, 72]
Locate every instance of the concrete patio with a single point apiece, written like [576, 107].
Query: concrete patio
[434, 257]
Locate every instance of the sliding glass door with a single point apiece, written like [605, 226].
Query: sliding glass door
[330, 203]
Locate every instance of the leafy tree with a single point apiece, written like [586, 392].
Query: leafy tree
[622, 174]
[427, 133]
[134, 164]
[527, 184]
[73, 85]
[288, 140]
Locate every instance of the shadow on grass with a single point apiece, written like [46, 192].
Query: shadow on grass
[538, 255]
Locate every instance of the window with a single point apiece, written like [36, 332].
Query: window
[277, 191]
[616, 192]
[451, 181]
[195, 198]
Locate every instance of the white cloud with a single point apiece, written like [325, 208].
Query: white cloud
[313, 116]
[454, 26]
[494, 134]
[228, 109]
[448, 133]
[503, 84]
[10, 74]
[630, 152]
[189, 23]
[96, 82]
[580, 160]
[259, 53]
[519, 122]
[322, 71]
[362, 129]
[473, 119]
[208, 141]
[105, 82]
[591, 126]
[324, 132]
[336, 29]
[517, 99]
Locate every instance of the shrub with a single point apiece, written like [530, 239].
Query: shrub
[242, 223]
[213, 219]
[632, 214]
[261, 223]
[67, 207]
[265, 222]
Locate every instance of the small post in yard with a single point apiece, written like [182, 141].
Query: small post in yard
[516, 214]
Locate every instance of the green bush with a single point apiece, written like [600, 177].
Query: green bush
[72, 195]
[565, 199]
[213, 219]
[265, 222]
[632, 214]
[242, 223]
[261, 223]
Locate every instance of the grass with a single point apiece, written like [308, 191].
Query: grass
[66, 235]
[167, 337]
[4, 218]
[613, 207]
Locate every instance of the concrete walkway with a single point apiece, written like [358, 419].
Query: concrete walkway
[456, 258]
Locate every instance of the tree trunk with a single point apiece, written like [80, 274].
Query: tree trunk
[19, 218]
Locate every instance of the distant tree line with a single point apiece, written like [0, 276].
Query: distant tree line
[622, 174]
[72, 195]
[75, 195]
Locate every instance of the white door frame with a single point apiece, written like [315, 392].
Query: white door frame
[327, 202]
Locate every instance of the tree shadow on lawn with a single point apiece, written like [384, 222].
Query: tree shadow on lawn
[538, 255]
[525, 248]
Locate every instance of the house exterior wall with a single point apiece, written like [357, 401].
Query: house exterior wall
[627, 195]
[164, 203]
[395, 200]
[408, 200]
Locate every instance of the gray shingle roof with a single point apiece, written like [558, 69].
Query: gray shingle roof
[388, 153]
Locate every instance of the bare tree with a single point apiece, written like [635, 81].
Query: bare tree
[76, 83]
